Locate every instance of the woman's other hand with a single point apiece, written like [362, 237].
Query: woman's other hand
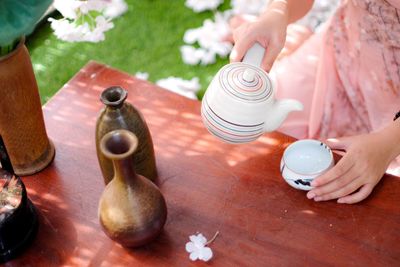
[361, 168]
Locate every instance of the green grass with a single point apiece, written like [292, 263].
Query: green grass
[146, 38]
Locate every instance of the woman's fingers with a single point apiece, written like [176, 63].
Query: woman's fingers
[344, 165]
[340, 143]
[238, 20]
[362, 194]
[271, 53]
[342, 191]
[240, 48]
[357, 173]
[335, 185]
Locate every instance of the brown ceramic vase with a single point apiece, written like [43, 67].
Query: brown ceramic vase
[119, 114]
[132, 210]
[21, 119]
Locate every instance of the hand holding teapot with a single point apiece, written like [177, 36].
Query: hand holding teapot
[239, 105]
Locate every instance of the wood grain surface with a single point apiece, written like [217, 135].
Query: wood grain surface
[208, 185]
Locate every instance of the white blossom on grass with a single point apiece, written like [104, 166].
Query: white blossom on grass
[209, 57]
[85, 20]
[191, 55]
[211, 39]
[211, 36]
[251, 7]
[203, 5]
[187, 88]
[67, 8]
[142, 75]
[68, 31]
[115, 8]
[92, 5]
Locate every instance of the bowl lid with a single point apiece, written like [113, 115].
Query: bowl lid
[245, 82]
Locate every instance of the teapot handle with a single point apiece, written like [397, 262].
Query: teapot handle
[254, 55]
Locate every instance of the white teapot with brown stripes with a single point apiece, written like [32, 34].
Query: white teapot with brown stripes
[239, 104]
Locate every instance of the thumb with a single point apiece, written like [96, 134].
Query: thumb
[338, 143]
[239, 50]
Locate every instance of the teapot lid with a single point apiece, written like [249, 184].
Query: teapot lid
[245, 82]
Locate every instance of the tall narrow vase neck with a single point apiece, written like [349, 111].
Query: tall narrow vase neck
[119, 146]
[114, 97]
[124, 169]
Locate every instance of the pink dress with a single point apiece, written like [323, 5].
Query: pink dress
[347, 75]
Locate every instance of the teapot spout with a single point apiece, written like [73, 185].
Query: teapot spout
[279, 112]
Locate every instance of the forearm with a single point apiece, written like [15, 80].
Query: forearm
[293, 10]
[391, 134]
[298, 9]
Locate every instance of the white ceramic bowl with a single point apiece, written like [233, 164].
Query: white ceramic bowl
[305, 160]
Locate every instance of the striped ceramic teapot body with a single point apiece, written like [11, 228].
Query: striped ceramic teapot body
[239, 104]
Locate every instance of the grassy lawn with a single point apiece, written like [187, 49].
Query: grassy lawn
[146, 38]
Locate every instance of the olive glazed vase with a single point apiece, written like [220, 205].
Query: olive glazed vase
[132, 210]
[119, 114]
[21, 119]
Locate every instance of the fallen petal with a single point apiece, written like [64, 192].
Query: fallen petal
[194, 255]
[190, 247]
[205, 254]
[200, 239]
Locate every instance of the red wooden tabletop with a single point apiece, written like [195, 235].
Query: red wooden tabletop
[209, 186]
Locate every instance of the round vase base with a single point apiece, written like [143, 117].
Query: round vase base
[41, 163]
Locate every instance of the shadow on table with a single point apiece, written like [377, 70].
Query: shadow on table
[160, 250]
[55, 240]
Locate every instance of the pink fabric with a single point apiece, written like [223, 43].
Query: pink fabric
[347, 75]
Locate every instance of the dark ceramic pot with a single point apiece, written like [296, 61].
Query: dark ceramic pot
[132, 210]
[18, 218]
[119, 114]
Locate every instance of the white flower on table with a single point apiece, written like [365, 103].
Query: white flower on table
[197, 248]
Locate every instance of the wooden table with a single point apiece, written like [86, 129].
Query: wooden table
[209, 186]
